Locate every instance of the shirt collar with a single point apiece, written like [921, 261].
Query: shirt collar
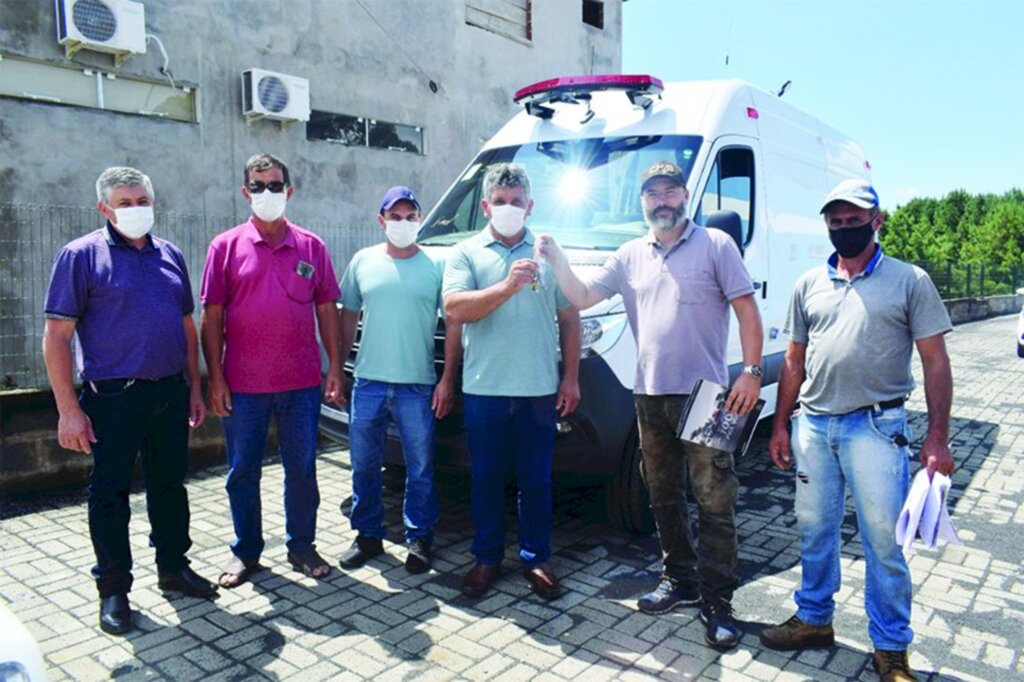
[487, 238]
[115, 238]
[254, 235]
[686, 233]
[833, 261]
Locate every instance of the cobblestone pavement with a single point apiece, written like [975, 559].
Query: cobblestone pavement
[381, 623]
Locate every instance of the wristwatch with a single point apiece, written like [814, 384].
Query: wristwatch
[753, 370]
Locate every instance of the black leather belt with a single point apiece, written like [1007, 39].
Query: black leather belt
[884, 405]
[117, 385]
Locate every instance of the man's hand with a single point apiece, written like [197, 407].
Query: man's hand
[520, 274]
[935, 456]
[549, 250]
[568, 396]
[220, 397]
[74, 431]
[778, 448]
[444, 396]
[334, 391]
[196, 407]
[744, 394]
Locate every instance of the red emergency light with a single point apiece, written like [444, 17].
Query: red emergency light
[578, 89]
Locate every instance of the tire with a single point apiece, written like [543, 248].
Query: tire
[629, 505]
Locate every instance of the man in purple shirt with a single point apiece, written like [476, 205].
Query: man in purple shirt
[677, 284]
[267, 285]
[124, 297]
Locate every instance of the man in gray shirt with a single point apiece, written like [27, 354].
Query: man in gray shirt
[678, 283]
[853, 324]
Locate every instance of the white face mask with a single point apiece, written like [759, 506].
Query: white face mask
[507, 219]
[134, 222]
[269, 206]
[401, 233]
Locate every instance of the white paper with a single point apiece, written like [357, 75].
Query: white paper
[925, 514]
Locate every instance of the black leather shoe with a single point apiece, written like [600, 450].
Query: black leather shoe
[188, 582]
[115, 614]
[361, 551]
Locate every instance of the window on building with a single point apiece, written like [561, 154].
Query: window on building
[357, 131]
[509, 18]
[593, 13]
[730, 187]
[69, 85]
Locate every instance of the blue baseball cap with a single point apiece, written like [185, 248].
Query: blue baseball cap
[854, 191]
[396, 194]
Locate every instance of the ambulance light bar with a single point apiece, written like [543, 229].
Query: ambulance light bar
[577, 90]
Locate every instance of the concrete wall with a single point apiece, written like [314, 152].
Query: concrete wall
[376, 62]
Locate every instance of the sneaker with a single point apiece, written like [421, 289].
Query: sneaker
[720, 629]
[893, 666]
[668, 595]
[361, 551]
[795, 634]
[417, 560]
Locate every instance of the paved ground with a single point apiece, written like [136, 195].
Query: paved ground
[380, 623]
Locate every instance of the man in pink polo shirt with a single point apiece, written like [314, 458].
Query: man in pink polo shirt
[266, 285]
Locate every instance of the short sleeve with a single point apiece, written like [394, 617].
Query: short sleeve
[458, 273]
[213, 290]
[351, 294]
[188, 303]
[68, 293]
[327, 287]
[608, 280]
[928, 315]
[796, 319]
[733, 279]
[560, 300]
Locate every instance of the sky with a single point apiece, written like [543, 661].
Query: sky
[932, 89]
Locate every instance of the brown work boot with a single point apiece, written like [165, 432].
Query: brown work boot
[893, 666]
[795, 634]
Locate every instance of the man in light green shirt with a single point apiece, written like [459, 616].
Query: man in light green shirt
[397, 288]
[516, 319]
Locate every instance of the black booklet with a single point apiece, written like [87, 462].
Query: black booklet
[705, 420]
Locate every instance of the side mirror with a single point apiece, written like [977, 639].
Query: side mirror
[728, 222]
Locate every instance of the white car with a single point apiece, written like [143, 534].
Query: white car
[1020, 328]
[20, 660]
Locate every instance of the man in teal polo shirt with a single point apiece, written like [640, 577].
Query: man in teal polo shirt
[397, 288]
[512, 392]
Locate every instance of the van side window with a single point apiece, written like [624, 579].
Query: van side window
[730, 187]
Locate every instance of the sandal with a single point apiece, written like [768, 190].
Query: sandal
[310, 563]
[237, 571]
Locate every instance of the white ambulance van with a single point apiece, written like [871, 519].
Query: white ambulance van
[756, 167]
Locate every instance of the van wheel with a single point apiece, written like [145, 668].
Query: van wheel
[629, 505]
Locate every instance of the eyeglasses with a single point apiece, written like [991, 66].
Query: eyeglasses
[257, 187]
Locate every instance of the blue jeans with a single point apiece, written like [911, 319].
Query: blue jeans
[867, 450]
[245, 434]
[509, 433]
[374, 405]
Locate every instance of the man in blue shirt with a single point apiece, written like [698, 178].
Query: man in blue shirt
[125, 297]
[397, 288]
[512, 393]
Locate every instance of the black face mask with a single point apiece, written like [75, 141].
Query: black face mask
[851, 241]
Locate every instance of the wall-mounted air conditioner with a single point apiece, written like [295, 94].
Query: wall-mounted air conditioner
[275, 96]
[114, 26]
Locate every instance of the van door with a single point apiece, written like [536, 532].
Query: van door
[731, 183]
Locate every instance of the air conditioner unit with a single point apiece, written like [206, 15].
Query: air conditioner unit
[114, 26]
[275, 96]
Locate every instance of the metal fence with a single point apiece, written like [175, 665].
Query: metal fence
[31, 236]
[973, 280]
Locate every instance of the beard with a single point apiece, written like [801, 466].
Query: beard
[664, 223]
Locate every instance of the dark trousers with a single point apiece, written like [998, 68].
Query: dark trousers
[666, 465]
[519, 434]
[151, 418]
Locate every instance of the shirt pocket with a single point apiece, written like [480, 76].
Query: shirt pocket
[694, 288]
[298, 288]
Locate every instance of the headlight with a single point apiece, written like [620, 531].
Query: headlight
[601, 333]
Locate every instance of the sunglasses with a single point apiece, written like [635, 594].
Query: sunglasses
[257, 187]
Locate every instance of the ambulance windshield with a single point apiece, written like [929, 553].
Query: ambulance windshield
[586, 192]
